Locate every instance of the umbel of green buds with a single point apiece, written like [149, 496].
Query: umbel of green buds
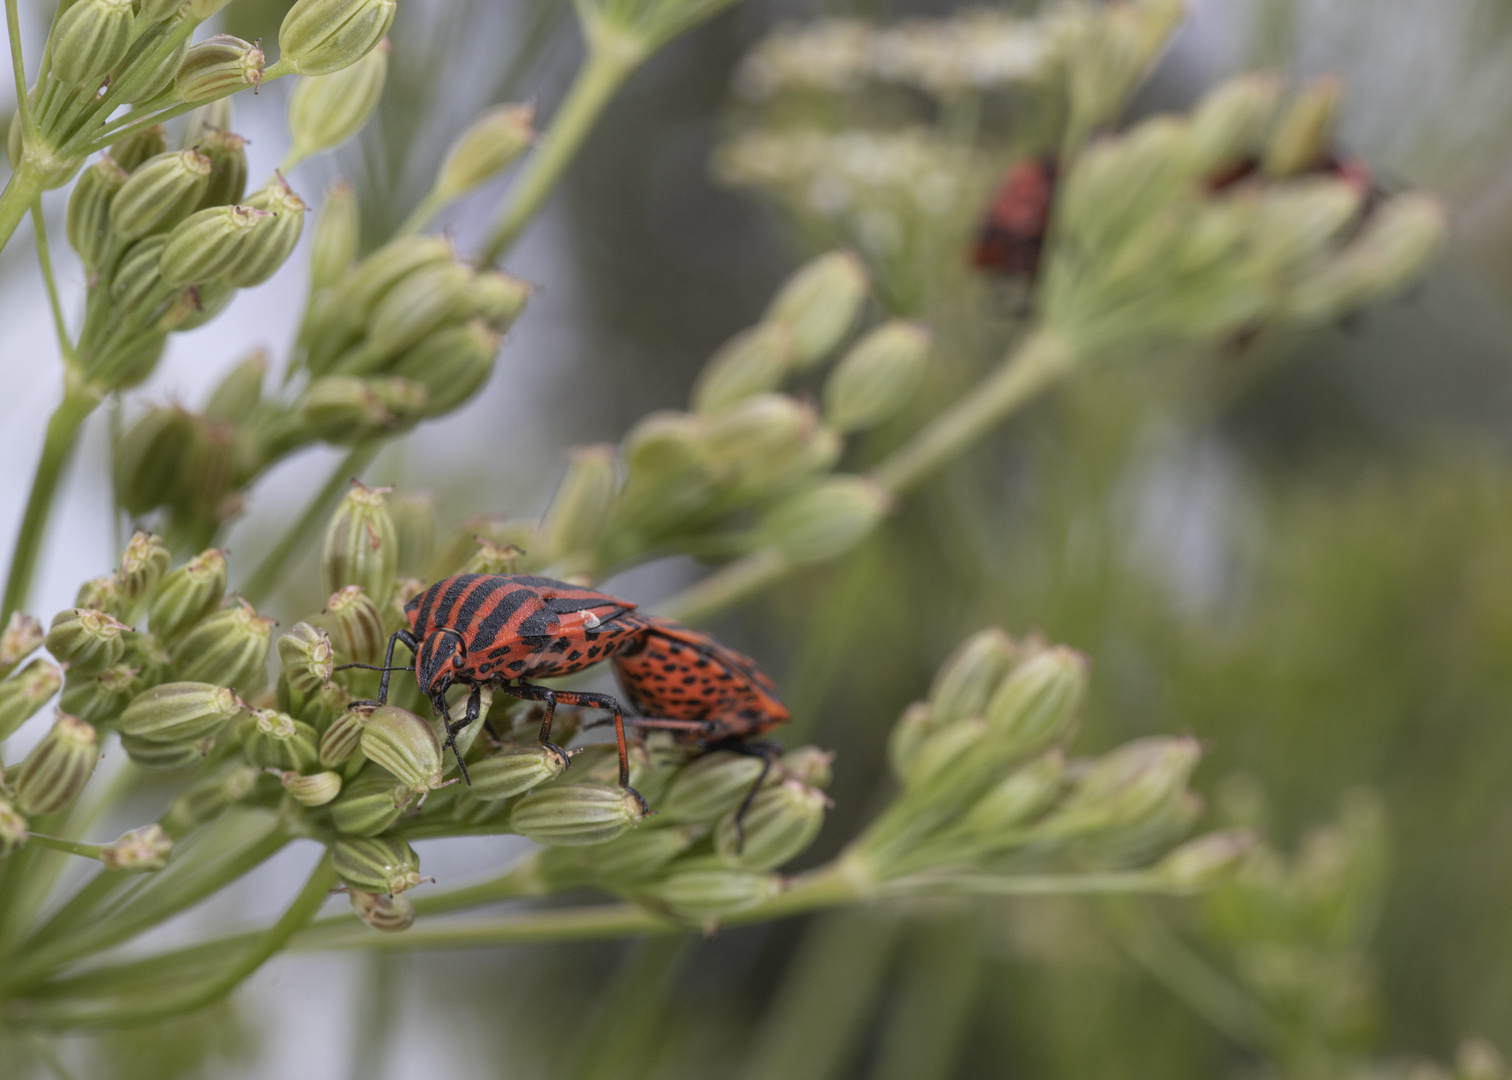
[228, 647]
[307, 657]
[381, 911]
[513, 771]
[21, 637]
[139, 851]
[275, 740]
[825, 518]
[88, 641]
[327, 110]
[321, 36]
[361, 545]
[355, 625]
[12, 828]
[370, 804]
[89, 210]
[315, 789]
[188, 594]
[90, 38]
[218, 66]
[160, 193]
[490, 145]
[710, 786]
[779, 825]
[180, 712]
[584, 503]
[25, 692]
[144, 561]
[381, 864]
[58, 767]
[818, 306]
[405, 745]
[575, 815]
[877, 376]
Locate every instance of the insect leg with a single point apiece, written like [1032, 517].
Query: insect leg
[768, 753]
[581, 699]
[403, 637]
[473, 700]
[529, 692]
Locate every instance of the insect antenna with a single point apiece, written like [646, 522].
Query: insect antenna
[372, 667]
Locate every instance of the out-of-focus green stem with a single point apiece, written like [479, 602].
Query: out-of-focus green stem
[68, 847]
[727, 586]
[18, 63]
[21, 190]
[611, 59]
[44, 261]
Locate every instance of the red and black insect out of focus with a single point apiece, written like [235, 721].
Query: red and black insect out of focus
[505, 630]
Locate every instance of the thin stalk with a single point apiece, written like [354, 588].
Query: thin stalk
[79, 400]
[21, 190]
[610, 62]
[67, 847]
[44, 261]
[421, 215]
[727, 586]
[18, 64]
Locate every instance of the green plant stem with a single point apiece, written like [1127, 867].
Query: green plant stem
[18, 63]
[270, 571]
[421, 215]
[79, 400]
[68, 847]
[21, 190]
[727, 586]
[44, 261]
[610, 62]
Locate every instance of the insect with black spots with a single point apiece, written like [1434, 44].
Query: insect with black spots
[506, 630]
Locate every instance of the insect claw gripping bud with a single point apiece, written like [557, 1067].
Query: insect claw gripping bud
[710, 786]
[180, 712]
[390, 914]
[315, 789]
[88, 641]
[21, 637]
[361, 545]
[57, 769]
[24, 693]
[405, 745]
[143, 563]
[576, 815]
[307, 657]
[139, 851]
[219, 65]
[327, 110]
[818, 306]
[228, 647]
[90, 38]
[381, 864]
[321, 36]
[160, 193]
[780, 824]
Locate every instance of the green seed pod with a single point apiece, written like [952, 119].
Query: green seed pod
[341, 739]
[575, 815]
[139, 851]
[405, 745]
[23, 694]
[229, 647]
[415, 526]
[275, 740]
[341, 408]
[708, 894]
[146, 653]
[819, 305]
[236, 395]
[492, 558]
[826, 518]
[274, 238]
[403, 400]
[581, 513]
[307, 657]
[877, 377]
[209, 797]
[497, 298]
[138, 285]
[710, 786]
[390, 914]
[89, 39]
[452, 364]
[209, 117]
[493, 142]
[754, 361]
[132, 151]
[1303, 137]
[669, 475]
[1207, 860]
[159, 755]
[382, 864]
[89, 211]
[101, 593]
[13, 832]
[1229, 125]
[58, 767]
[512, 772]
[780, 824]
[217, 66]
[316, 789]
[327, 110]
[1017, 799]
[133, 364]
[908, 736]
[936, 765]
[337, 234]
[809, 765]
[1035, 707]
[143, 563]
[180, 712]
[228, 167]
[967, 680]
[417, 306]
[370, 805]
[355, 296]
[155, 11]
[98, 699]
[88, 641]
[22, 636]
[162, 192]
[638, 855]
[361, 545]
[355, 625]
[148, 70]
[201, 10]
[147, 458]
[1127, 786]
[321, 36]
[763, 433]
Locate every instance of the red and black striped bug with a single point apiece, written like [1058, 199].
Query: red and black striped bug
[1011, 240]
[507, 629]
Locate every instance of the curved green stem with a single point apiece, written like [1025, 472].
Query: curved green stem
[18, 64]
[67, 847]
[44, 262]
[21, 190]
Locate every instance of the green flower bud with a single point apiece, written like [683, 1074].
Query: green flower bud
[275, 740]
[877, 377]
[139, 851]
[1017, 799]
[370, 805]
[968, 678]
[229, 647]
[1303, 138]
[58, 767]
[217, 66]
[336, 237]
[160, 755]
[819, 305]
[341, 408]
[638, 855]
[780, 824]
[669, 473]
[89, 212]
[710, 786]
[584, 505]
[575, 815]
[155, 11]
[228, 167]
[493, 143]
[307, 657]
[210, 117]
[201, 10]
[937, 762]
[101, 594]
[22, 637]
[321, 36]
[23, 694]
[361, 545]
[341, 739]
[417, 305]
[97, 699]
[341, 316]
[89, 39]
[144, 145]
[316, 789]
[497, 298]
[708, 894]
[1230, 124]
[809, 765]
[13, 832]
[355, 625]
[1035, 707]
[148, 70]
[382, 864]
[143, 563]
[327, 110]
[1127, 786]
[147, 458]
[1208, 859]
[209, 797]
[138, 283]
[415, 526]
[274, 238]
[491, 558]
[404, 401]
[764, 432]
[239, 392]
[133, 363]
[160, 194]
[180, 712]
[754, 361]
[452, 364]
[405, 745]
[88, 641]
[826, 518]
[390, 914]
[1394, 244]
[146, 653]
[512, 772]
